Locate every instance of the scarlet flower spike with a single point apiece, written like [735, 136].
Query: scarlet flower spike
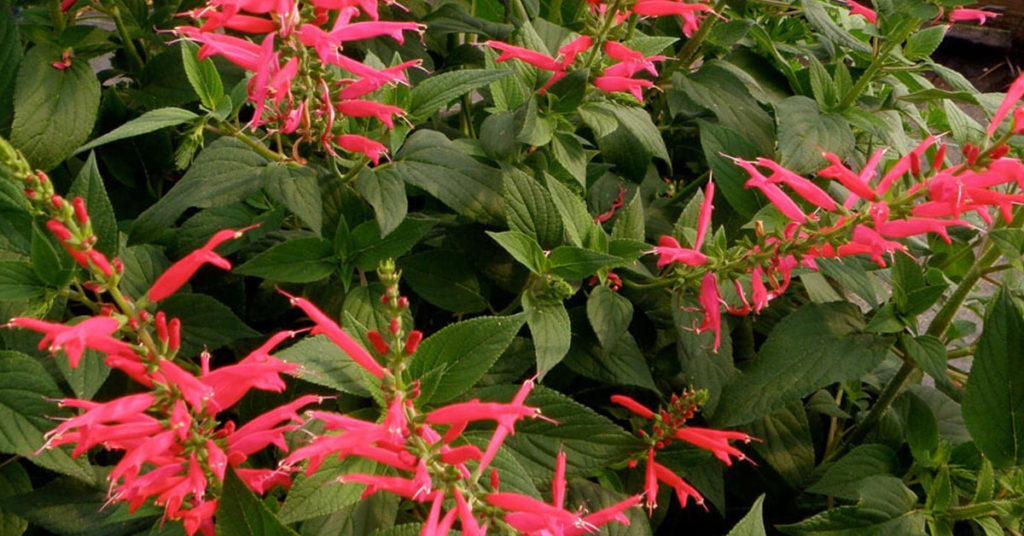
[180, 272]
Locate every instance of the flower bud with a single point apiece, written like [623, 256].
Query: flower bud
[174, 334]
[101, 262]
[59, 230]
[413, 341]
[378, 342]
[403, 302]
[56, 201]
[395, 326]
[161, 326]
[80, 213]
[118, 265]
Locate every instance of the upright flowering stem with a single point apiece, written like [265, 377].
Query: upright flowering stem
[688, 54]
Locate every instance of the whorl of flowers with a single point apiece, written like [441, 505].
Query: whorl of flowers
[918, 196]
[304, 80]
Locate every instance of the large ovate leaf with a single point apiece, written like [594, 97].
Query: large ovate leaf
[530, 210]
[384, 189]
[298, 189]
[804, 132]
[205, 322]
[430, 161]
[302, 260]
[815, 346]
[323, 363]
[54, 109]
[786, 443]
[752, 524]
[626, 136]
[68, 507]
[240, 512]
[459, 355]
[550, 330]
[842, 479]
[886, 507]
[225, 172]
[150, 121]
[321, 493]
[89, 186]
[433, 93]
[993, 405]
[26, 395]
[444, 278]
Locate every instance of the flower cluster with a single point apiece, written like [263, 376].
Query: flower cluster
[669, 424]
[624, 63]
[906, 201]
[960, 14]
[304, 81]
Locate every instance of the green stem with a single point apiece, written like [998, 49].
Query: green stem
[972, 511]
[876, 65]
[255, 144]
[609, 19]
[944, 318]
[129, 46]
[57, 16]
[691, 49]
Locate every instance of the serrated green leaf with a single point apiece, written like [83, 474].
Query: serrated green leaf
[89, 186]
[570, 262]
[621, 364]
[609, 314]
[433, 93]
[18, 281]
[885, 507]
[26, 391]
[302, 260]
[10, 57]
[320, 493]
[13, 481]
[817, 345]
[150, 121]
[752, 524]
[463, 351]
[444, 278]
[205, 322]
[995, 388]
[202, 75]
[634, 141]
[817, 15]
[54, 109]
[921, 44]
[51, 262]
[843, 477]
[529, 209]
[498, 134]
[240, 512]
[522, 248]
[716, 142]
[143, 264]
[384, 189]
[430, 161]
[298, 189]
[88, 376]
[323, 363]
[578, 223]
[370, 249]
[803, 132]
[550, 329]
[225, 172]
[785, 443]
[68, 507]
[568, 153]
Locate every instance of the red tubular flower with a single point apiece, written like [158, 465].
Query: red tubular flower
[632, 405]
[704, 218]
[630, 61]
[665, 8]
[412, 342]
[363, 108]
[684, 491]
[980, 16]
[850, 180]
[775, 195]
[716, 441]
[180, 272]
[711, 301]
[1013, 95]
[909, 162]
[570, 50]
[94, 333]
[613, 84]
[803, 187]
[868, 241]
[355, 143]
[858, 9]
[532, 57]
[669, 251]
[327, 326]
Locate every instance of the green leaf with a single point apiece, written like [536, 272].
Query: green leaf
[578, 223]
[430, 161]
[948, 416]
[570, 262]
[202, 75]
[822, 87]
[10, 57]
[436, 91]
[13, 481]
[323, 363]
[522, 248]
[225, 172]
[370, 248]
[26, 391]
[298, 189]
[150, 121]
[592, 497]
[463, 352]
[241, 513]
[786, 443]
[87, 378]
[89, 186]
[634, 141]
[320, 493]
[609, 315]
[384, 189]
[843, 478]
[143, 264]
[621, 364]
[550, 328]
[631, 222]
[752, 524]
[815, 346]
[302, 260]
[820, 20]
[886, 507]
[994, 399]
[376, 512]
[921, 44]
[717, 141]
[529, 209]
[498, 135]
[444, 278]
[704, 368]
[50, 260]
[54, 109]
[919, 425]
[569, 154]
[929, 354]
[803, 132]
[18, 281]
[68, 507]
[205, 322]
